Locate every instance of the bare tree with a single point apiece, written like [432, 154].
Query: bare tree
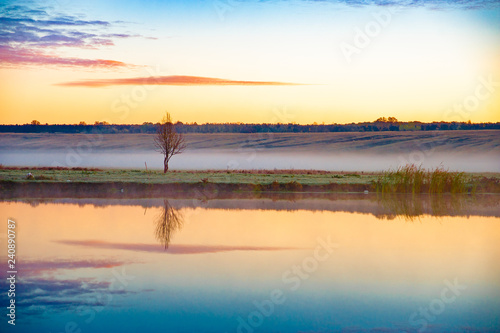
[168, 141]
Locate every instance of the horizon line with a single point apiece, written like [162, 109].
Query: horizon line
[104, 123]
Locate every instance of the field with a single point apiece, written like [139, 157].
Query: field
[108, 182]
[470, 151]
[487, 141]
[292, 162]
[304, 177]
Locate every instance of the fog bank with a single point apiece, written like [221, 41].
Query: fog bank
[251, 159]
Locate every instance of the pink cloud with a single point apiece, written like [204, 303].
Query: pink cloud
[40, 266]
[173, 80]
[173, 249]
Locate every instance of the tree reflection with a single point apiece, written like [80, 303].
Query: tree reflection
[168, 221]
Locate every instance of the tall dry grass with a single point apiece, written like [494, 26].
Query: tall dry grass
[413, 179]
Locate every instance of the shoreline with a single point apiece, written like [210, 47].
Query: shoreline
[201, 190]
[408, 207]
[123, 183]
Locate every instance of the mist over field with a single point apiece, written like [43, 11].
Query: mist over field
[472, 151]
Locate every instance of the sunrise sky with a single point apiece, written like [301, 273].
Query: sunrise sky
[336, 61]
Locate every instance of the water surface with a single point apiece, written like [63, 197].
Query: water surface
[253, 266]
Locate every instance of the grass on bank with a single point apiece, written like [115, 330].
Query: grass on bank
[257, 177]
[413, 179]
[407, 179]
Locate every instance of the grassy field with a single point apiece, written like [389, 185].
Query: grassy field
[406, 180]
[120, 183]
[304, 177]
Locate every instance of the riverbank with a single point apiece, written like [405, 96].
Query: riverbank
[117, 183]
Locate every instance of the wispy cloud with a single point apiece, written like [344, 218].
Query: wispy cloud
[41, 294]
[173, 80]
[44, 290]
[173, 249]
[433, 4]
[20, 56]
[41, 266]
[32, 36]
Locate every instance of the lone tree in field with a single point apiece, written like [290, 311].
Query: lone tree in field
[168, 141]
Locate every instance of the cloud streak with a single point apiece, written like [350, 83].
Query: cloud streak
[31, 36]
[173, 80]
[432, 4]
[41, 266]
[173, 249]
[43, 288]
[20, 56]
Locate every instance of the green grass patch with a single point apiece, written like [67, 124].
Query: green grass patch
[409, 179]
[353, 175]
[261, 177]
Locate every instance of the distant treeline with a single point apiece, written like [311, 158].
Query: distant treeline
[375, 126]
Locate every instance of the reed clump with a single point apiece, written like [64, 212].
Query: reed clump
[416, 179]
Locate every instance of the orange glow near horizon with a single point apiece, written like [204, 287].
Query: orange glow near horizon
[42, 99]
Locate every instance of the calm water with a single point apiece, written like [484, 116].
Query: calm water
[253, 266]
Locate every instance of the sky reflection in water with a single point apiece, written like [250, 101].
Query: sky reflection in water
[255, 266]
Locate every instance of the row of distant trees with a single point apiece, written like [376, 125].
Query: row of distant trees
[381, 124]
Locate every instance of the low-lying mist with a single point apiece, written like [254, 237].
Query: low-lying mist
[251, 159]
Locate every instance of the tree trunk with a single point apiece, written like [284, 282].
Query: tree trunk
[165, 165]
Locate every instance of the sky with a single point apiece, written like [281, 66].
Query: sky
[276, 61]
